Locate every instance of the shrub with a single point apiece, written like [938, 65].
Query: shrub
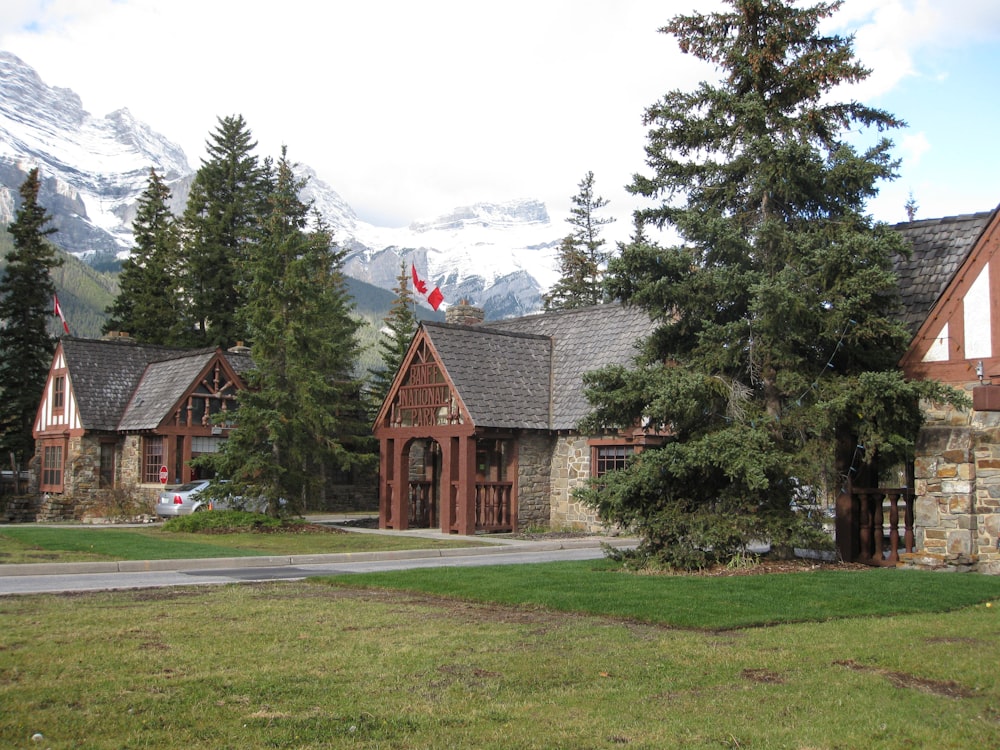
[222, 521]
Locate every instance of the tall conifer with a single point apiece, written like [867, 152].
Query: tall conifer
[26, 304]
[582, 258]
[301, 418]
[148, 305]
[220, 229]
[394, 339]
[776, 310]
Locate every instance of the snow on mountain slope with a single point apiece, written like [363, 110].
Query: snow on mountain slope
[499, 256]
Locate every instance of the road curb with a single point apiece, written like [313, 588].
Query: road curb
[274, 561]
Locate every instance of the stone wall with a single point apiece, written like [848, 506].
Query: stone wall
[957, 472]
[570, 470]
[534, 496]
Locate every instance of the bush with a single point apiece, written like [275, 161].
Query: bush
[222, 521]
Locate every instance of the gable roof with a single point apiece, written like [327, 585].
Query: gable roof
[528, 372]
[939, 247]
[165, 382]
[103, 375]
[583, 339]
[502, 378]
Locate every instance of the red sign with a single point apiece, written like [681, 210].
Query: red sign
[163, 475]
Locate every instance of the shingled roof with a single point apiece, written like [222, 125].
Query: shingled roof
[107, 377]
[502, 378]
[163, 384]
[103, 375]
[939, 247]
[528, 372]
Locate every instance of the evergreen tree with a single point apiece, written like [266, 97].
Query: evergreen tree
[219, 231]
[394, 339]
[301, 416]
[776, 312]
[148, 305]
[26, 300]
[582, 259]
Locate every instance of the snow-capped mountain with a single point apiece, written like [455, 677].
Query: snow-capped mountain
[93, 170]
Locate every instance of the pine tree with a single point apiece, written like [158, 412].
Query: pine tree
[219, 231]
[26, 298]
[148, 305]
[398, 329]
[582, 259]
[301, 416]
[776, 312]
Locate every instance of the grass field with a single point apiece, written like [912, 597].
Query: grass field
[28, 544]
[323, 665]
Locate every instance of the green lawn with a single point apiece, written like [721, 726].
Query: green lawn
[302, 665]
[27, 544]
[600, 588]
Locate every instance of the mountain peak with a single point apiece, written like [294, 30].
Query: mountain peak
[489, 215]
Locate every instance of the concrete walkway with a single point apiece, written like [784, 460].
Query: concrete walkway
[496, 545]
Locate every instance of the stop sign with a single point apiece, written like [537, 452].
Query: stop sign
[163, 475]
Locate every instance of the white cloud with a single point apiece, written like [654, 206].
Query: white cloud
[914, 146]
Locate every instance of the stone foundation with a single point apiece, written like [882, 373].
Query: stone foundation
[957, 471]
[534, 494]
[571, 470]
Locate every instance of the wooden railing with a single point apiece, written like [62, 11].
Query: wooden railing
[422, 508]
[493, 506]
[879, 543]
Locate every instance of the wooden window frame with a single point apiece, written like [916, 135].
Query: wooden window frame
[53, 466]
[150, 473]
[58, 394]
[601, 464]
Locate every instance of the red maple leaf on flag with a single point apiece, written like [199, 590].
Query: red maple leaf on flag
[418, 284]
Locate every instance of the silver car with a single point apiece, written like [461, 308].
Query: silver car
[183, 499]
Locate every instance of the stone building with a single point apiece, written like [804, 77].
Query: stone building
[117, 414]
[479, 429]
[950, 288]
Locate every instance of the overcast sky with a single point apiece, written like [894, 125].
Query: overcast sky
[409, 109]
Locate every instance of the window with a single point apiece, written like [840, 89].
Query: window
[52, 468]
[605, 458]
[58, 393]
[107, 477]
[152, 459]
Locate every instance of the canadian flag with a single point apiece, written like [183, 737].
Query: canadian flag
[434, 298]
[58, 311]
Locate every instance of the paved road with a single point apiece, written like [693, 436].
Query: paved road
[53, 578]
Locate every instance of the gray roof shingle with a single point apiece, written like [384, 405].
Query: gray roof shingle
[528, 372]
[160, 388]
[103, 375]
[502, 378]
[939, 247]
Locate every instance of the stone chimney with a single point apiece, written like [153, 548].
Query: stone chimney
[464, 314]
[120, 336]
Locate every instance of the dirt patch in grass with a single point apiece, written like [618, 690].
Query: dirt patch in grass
[765, 567]
[945, 688]
[762, 676]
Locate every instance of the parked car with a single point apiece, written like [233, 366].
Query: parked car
[183, 499]
[187, 498]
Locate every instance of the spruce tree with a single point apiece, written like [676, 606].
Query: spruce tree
[582, 259]
[301, 417]
[148, 305]
[219, 231]
[776, 347]
[26, 302]
[394, 339]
